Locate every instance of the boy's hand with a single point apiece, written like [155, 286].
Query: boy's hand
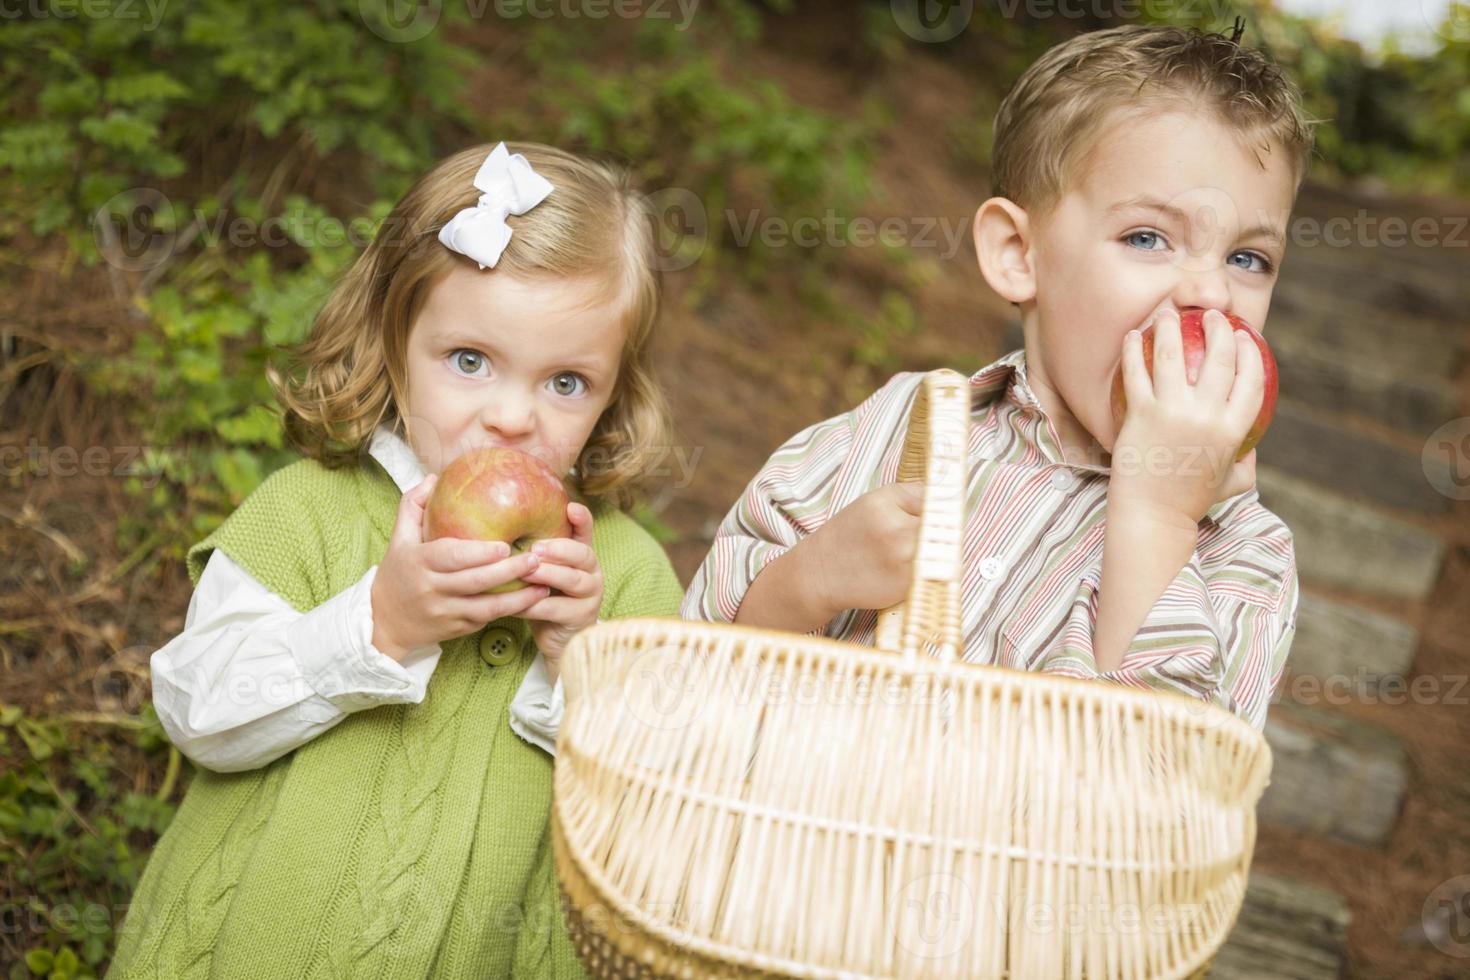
[1174, 457]
[863, 558]
[570, 567]
[427, 592]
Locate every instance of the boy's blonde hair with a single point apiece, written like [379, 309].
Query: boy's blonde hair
[352, 368]
[1052, 118]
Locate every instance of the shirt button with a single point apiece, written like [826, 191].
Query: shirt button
[990, 568]
[498, 646]
[1061, 479]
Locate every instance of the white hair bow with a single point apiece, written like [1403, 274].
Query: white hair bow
[509, 186]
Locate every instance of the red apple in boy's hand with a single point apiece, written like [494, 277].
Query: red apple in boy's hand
[1192, 333]
[498, 494]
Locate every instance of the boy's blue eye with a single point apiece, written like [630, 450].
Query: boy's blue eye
[475, 359]
[1152, 241]
[1265, 263]
[567, 383]
[1149, 236]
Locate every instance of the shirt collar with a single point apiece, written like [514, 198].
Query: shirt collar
[397, 457]
[1006, 379]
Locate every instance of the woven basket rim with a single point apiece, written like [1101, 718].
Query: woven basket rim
[1088, 693]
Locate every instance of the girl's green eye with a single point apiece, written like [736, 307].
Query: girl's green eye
[568, 383]
[475, 361]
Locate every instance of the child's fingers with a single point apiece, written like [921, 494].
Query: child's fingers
[564, 610]
[1218, 373]
[565, 551]
[450, 555]
[1249, 390]
[910, 497]
[1136, 384]
[421, 490]
[1169, 380]
[581, 518]
[571, 581]
[483, 609]
[410, 517]
[481, 578]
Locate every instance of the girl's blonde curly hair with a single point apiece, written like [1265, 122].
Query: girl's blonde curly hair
[350, 375]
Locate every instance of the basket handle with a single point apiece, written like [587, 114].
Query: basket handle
[934, 451]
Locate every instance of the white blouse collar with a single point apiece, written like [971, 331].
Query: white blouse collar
[398, 458]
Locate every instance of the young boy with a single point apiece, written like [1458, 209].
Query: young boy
[1138, 172]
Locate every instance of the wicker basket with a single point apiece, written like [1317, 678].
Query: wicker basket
[735, 802]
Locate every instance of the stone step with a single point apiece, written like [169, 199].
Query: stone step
[1425, 283]
[1348, 647]
[1341, 543]
[1307, 445]
[1316, 375]
[1440, 255]
[1286, 930]
[1342, 319]
[1332, 775]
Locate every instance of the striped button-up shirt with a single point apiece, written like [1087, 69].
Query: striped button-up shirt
[1033, 547]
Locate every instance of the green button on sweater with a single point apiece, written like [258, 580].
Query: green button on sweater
[410, 840]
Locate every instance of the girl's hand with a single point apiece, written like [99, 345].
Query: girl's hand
[1174, 457]
[571, 568]
[427, 592]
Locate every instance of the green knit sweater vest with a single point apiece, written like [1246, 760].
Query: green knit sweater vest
[410, 840]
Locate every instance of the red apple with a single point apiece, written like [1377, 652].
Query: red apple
[498, 494]
[1192, 333]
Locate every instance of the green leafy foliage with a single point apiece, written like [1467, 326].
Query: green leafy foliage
[88, 111]
[1398, 116]
[881, 335]
[686, 115]
[74, 836]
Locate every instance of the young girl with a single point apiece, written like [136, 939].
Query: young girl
[352, 695]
